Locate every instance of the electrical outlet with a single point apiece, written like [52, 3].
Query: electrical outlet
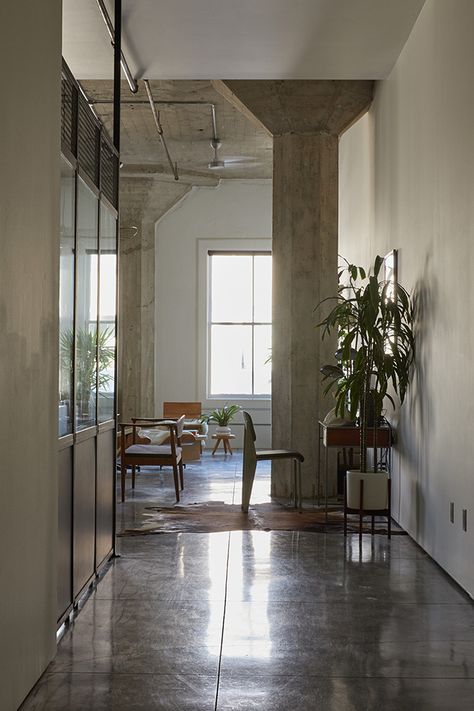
[464, 519]
[451, 511]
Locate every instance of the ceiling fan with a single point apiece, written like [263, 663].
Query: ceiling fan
[229, 161]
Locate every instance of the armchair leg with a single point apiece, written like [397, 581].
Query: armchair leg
[123, 471]
[181, 474]
[176, 481]
[297, 484]
[133, 477]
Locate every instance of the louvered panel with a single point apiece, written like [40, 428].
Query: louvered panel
[88, 141]
[108, 171]
[68, 114]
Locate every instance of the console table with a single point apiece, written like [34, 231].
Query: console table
[347, 436]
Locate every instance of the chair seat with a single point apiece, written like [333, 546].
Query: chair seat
[152, 450]
[263, 454]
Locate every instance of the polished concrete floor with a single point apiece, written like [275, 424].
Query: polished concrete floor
[262, 620]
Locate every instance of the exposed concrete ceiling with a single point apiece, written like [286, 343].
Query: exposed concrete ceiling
[176, 43]
[245, 149]
[299, 106]
[244, 39]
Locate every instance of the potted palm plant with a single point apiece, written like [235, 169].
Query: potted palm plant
[222, 417]
[372, 319]
[91, 346]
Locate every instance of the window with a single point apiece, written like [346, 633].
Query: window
[66, 298]
[239, 326]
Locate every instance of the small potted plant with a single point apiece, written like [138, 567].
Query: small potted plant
[222, 417]
[372, 319]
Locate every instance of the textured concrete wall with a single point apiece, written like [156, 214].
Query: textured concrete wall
[142, 202]
[423, 167]
[30, 49]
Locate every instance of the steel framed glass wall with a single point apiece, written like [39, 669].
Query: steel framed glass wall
[87, 346]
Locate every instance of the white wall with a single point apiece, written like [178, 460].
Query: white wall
[421, 130]
[235, 212]
[30, 49]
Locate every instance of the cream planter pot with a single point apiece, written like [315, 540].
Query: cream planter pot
[223, 430]
[375, 490]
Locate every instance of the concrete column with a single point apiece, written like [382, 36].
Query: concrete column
[305, 190]
[143, 200]
[305, 119]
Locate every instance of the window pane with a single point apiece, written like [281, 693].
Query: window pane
[262, 370]
[86, 307]
[263, 288]
[107, 310]
[231, 360]
[66, 299]
[231, 289]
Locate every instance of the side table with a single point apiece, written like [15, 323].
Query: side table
[225, 439]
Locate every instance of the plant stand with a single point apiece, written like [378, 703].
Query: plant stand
[225, 439]
[364, 507]
[346, 436]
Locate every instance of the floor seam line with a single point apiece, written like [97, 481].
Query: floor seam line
[223, 624]
[225, 603]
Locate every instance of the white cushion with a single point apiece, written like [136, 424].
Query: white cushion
[156, 435]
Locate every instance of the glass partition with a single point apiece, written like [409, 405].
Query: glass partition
[66, 298]
[107, 314]
[86, 307]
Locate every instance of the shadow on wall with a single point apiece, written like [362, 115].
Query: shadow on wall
[417, 420]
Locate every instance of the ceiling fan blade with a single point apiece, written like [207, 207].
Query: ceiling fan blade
[237, 164]
[239, 159]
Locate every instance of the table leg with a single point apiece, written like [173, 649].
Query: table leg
[326, 482]
[216, 445]
[229, 447]
[225, 443]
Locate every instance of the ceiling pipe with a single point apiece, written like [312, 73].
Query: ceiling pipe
[132, 83]
[168, 103]
[117, 45]
[215, 141]
[214, 123]
[159, 128]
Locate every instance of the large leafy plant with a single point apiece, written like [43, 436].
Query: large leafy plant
[372, 318]
[92, 347]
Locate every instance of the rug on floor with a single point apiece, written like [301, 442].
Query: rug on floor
[215, 516]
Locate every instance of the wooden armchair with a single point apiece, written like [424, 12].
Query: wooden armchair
[140, 452]
[194, 433]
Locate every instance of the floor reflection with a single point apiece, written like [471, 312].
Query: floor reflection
[256, 620]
